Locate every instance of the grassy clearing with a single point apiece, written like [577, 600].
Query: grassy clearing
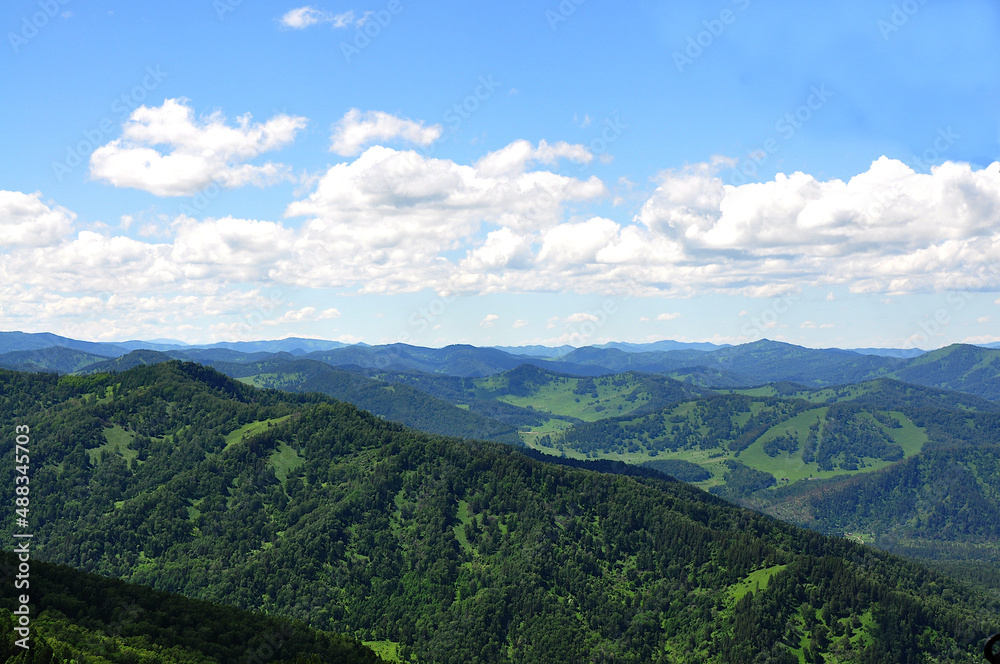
[861, 538]
[788, 468]
[459, 528]
[559, 396]
[250, 429]
[275, 379]
[119, 442]
[552, 427]
[285, 459]
[756, 580]
[910, 437]
[387, 650]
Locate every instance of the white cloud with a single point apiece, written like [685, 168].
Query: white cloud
[503, 248]
[981, 339]
[356, 130]
[303, 17]
[168, 152]
[394, 221]
[305, 314]
[577, 243]
[888, 229]
[517, 156]
[520, 323]
[668, 316]
[385, 219]
[582, 317]
[489, 320]
[235, 249]
[26, 221]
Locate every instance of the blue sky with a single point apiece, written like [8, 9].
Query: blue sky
[502, 173]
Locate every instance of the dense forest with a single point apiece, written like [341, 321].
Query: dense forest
[179, 478]
[90, 619]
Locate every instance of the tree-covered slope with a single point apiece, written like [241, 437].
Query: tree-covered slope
[394, 401]
[961, 367]
[89, 619]
[941, 506]
[57, 359]
[178, 477]
[751, 364]
[891, 394]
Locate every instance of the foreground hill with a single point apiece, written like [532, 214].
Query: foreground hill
[177, 477]
[78, 617]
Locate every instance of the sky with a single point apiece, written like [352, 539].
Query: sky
[502, 173]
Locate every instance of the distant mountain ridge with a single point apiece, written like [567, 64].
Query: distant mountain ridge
[971, 369]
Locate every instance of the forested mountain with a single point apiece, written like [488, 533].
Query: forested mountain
[180, 478]
[890, 394]
[58, 359]
[456, 360]
[15, 341]
[941, 505]
[958, 367]
[89, 619]
[390, 399]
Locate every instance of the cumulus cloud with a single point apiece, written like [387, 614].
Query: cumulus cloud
[502, 249]
[489, 320]
[168, 152]
[356, 130]
[887, 229]
[577, 243]
[229, 248]
[394, 221]
[28, 222]
[386, 218]
[668, 316]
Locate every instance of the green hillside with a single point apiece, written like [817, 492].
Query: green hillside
[392, 400]
[58, 359]
[447, 550]
[961, 367]
[941, 506]
[786, 439]
[85, 618]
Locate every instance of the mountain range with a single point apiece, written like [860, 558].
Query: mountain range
[893, 449]
[179, 478]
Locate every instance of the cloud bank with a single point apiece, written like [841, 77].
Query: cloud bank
[389, 220]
